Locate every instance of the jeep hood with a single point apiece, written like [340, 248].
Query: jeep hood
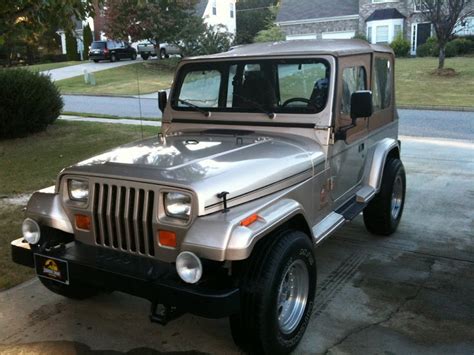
[245, 164]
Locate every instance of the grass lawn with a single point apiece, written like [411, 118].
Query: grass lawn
[31, 163]
[416, 86]
[50, 66]
[152, 76]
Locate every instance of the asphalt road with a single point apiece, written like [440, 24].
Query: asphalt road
[418, 123]
[411, 293]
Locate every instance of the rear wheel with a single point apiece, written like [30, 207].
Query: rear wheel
[277, 290]
[383, 213]
[74, 291]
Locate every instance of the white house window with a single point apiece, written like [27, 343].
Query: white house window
[214, 7]
[381, 34]
[465, 28]
[231, 10]
[384, 31]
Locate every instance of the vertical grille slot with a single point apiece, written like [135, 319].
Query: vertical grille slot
[123, 218]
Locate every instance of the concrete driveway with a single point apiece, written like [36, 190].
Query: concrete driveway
[91, 67]
[411, 293]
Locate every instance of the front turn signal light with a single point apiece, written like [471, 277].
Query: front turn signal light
[83, 222]
[167, 239]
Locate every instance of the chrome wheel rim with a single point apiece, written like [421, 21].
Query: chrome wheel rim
[397, 197]
[292, 296]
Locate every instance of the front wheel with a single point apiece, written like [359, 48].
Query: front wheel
[384, 211]
[113, 58]
[144, 56]
[74, 291]
[277, 293]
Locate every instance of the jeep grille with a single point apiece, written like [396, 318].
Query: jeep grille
[123, 218]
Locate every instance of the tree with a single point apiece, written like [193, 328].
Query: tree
[196, 38]
[71, 46]
[24, 21]
[87, 36]
[272, 33]
[253, 16]
[445, 15]
[154, 20]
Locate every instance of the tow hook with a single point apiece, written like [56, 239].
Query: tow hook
[162, 314]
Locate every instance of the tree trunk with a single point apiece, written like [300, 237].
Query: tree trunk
[442, 56]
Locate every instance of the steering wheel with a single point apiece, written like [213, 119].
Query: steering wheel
[296, 99]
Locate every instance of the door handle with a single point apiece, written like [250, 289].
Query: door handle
[361, 147]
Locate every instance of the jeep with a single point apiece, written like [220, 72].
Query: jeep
[263, 153]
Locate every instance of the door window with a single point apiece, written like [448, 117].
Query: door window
[353, 79]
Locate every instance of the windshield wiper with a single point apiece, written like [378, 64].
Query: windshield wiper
[195, 107]
[257, 106]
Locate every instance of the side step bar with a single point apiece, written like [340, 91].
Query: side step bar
[347, 212]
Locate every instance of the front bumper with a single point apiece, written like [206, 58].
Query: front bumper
[138, 276]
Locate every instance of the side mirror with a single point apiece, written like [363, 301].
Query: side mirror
[361, 104]
[162, 100]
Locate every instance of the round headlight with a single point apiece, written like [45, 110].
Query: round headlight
[31, 231]
[78, 190]
[177, 205]
[189, 267]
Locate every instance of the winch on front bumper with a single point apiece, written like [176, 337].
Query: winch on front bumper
[142, 277]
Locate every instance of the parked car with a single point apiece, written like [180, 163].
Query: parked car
[111, 50]
[147, 49]
[265, 151]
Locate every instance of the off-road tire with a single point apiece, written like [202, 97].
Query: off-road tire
[144, 56]
[73, 291]
[256, 329]
[378, 217]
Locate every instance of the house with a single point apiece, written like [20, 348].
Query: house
[379, 20]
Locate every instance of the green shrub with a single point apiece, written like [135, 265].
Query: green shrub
[87, 36]
[71, 47]
[400, 46]
[451, 49]
[271, 33]
[360, 35]
[428, 49]
[463, 46]
[30, 102]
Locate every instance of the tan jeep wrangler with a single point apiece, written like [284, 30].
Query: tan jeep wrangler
[264, 152]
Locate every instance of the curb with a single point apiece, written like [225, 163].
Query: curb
[437, 108]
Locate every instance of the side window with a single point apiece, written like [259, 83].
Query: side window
[110, 45]
[353, 79]
[382, 84]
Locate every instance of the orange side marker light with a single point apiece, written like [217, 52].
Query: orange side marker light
[249, 220]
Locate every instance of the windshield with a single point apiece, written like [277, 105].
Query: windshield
[98, 45]
[289, 85]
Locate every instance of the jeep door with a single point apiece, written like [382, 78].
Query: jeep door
[348, 156]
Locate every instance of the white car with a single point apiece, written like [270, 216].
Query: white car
[147, 49]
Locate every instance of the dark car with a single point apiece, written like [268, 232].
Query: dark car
[111, 50]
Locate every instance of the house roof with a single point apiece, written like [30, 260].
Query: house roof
[296, 10]
[201, 7]
[335, 47]
[384, 14]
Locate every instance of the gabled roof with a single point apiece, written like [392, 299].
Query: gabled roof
[201, 7]
[384, 14]
[335, 47]
[296, 10]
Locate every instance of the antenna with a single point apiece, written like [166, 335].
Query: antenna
[139, 102]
